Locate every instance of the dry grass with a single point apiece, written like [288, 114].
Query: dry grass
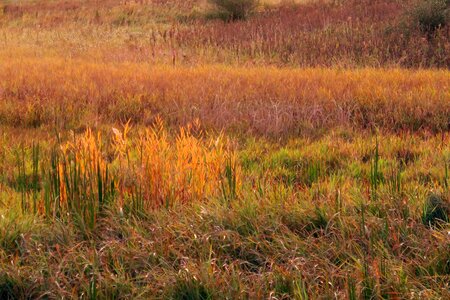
[351, 34]
[78, 178]
[71, 93]
[149, 151]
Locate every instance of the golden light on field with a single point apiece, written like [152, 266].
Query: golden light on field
[223, 149]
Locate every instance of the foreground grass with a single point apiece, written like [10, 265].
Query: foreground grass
[342, 216]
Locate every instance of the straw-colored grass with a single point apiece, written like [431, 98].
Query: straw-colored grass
[72, 93]
[149, 150]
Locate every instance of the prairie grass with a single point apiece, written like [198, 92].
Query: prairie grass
[148, 151]
[84, 175]
[319, 33]
[273, 237]
[70, 94]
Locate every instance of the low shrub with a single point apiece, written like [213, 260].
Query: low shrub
[234, 9]
[429, 15]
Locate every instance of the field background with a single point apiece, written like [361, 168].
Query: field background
[149, 149]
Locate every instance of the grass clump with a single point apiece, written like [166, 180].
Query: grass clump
[10, 288]
[190, 288]
[13, 229]
[435, 210]
[430, 15]
[234, 9]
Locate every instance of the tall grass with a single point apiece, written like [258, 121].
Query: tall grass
[318, 33]
[376, 177]
[231, 227]
[70, 94]
[143, 173]
[178, 172]
[260, 183]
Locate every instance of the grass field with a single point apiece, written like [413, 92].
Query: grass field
[152, 150]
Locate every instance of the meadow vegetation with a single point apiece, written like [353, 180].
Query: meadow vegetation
[168, 150]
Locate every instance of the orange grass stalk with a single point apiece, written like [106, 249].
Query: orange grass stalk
[187, 169]
[145, 173]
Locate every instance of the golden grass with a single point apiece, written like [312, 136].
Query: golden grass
[71, 93]
[351, 200]
[137, 174]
